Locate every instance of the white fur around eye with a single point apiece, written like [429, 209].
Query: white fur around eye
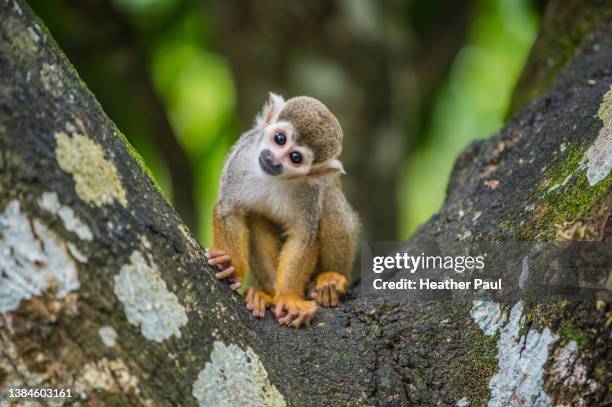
[284, 127]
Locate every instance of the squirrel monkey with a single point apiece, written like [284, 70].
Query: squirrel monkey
[281, 216]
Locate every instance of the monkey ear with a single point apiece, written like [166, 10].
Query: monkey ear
[271, 109]
[328, 167]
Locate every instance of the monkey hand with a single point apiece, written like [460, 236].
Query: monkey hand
[257, 302]
[328, 288]
[222, 261]
[292, 310]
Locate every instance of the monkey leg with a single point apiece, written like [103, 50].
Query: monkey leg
[231, 245]
[338, 237]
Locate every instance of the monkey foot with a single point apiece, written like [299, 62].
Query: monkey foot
[293, 310]
[222, 261]
[328, 289]
[257, 302]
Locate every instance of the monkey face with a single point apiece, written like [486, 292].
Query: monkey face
[299, 138]
[280, 155]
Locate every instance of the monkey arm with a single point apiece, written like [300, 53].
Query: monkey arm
[231, 235]
[296, 263]
[265, 251]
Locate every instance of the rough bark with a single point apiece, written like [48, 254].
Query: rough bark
[143, 321]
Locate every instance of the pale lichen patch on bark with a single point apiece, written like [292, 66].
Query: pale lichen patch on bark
[147, 302]
[96, 178]
[32, 259]
[235, 377]
[599, 155]
[50, 202]
[524, 272]
[144, 241]
[520, 377]
[108, 335]
[464, 402]
[76, 253]
[52, 79]
[605, 109]
[19, 42]
[488, 316]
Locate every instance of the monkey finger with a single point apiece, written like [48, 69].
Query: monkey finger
[333, 297]
[256, 310]
[324, 296]
[255, 303]
[249, 298]
[299, 320]
[235, 284]
[211, 254]
[219, 259]
[279, 310]
[286, 314]
[262, 307]
[287, 319]
[225, 273]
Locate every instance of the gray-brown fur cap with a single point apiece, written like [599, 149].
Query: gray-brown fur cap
[316, 126]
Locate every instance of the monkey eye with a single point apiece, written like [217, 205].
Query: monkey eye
[280, 138]
[295, 157]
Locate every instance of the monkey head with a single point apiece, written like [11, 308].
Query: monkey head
[298, 137]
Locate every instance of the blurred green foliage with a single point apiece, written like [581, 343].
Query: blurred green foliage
[198, 92]
[471, 105]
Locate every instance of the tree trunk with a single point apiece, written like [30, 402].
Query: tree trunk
[105, 292]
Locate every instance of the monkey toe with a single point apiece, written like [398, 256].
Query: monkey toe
[288, 318]
[235, 284]
[328, 289]
[299, 320]
[257, 302]
[331, 278]
[293, 311]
